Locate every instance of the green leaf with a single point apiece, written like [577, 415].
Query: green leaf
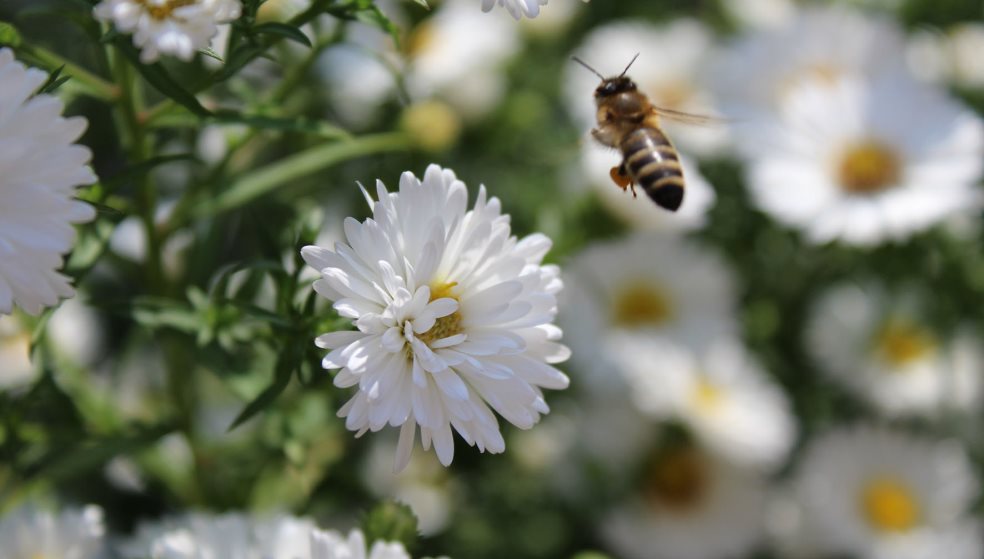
[391, 522]
[283, 372]
[9, 35]
[138, 170]
[54, 81]
[283, 30]
[160, 79]
[240, 57]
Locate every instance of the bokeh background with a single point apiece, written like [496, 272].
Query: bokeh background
[746, 374]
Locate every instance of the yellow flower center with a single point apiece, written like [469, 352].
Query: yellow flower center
[869, 167]
[163, 10]
[640, 304]
[706, 396]
[889, 505]
[433, 125]
[678, 479]
[445, 326]
[901, 343]
[421, 40]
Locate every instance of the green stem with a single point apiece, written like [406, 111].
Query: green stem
[85, 81]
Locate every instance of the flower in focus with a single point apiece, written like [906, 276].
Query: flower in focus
[331, 545]
[171, 27]
[691, 506]
[458, 54]
[865, 162]
[660, 286]
[518, 8]
[721, 393]
[667, 71]
[229, 536]
[881, 348]
[454, 317]
[41, 168]
[877, 494]
[28, 533]
[818, 45]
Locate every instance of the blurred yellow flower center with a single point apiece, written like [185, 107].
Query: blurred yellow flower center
[421, 40]
[162, 10]
[432, 125]
[678, 480]
[868, 167]
[445, 326]
[640, 304]
[890, 506]
[706, 396]
[900, 343]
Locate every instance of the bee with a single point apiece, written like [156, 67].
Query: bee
[629, 122]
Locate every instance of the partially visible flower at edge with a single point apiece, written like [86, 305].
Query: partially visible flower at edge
[28, 533]
[454, 317]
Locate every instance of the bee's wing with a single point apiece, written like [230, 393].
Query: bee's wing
[689, 118]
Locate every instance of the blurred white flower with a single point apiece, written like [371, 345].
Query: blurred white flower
[691, 506]
[518, 8]
[640, 212]
[41, 168]
[662, 286]
[554, 20]
[880, 347]
[453, 315]
[876, 494]
[171, 27]
[820, 44]
[458, 54]
[668, 71]
[866, 162]
[15, 353]
[332, 545]
[720, 393]
[953, 56]
[226, 536]
[77, 332]
[28, 533]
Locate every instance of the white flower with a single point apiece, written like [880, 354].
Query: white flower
[332, 545]
[41, 168]
[27, 533]
[721, 393]
[639, 211]
[458, 54]
[518, 8]
[15, 354]
[227, 536]
[668, 71]
[865, 162]
[691, 506]
[662, 286]
[170, 27]
[453, 315]
[876, 494]
[822, 44]
[881, 348]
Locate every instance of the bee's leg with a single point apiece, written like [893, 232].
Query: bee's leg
[622, 179]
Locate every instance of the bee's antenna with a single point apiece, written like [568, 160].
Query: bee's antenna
[585, 64]
[630, 65]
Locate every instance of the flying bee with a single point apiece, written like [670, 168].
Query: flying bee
[629, 122]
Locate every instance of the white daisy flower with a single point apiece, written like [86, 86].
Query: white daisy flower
[453, 315]
[518, 8]
[819, 44]
[661, 286]
[876, 494]
[721, 393]
[41, 168]
[458, 54]
[332, 545]
[865, 162]
[881, 348]
[668, 71]
[229, 536]
[638, 211]
[171, 27]
[691, 506]
[28, 533]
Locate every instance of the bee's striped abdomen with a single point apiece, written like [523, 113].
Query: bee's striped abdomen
[652, 162]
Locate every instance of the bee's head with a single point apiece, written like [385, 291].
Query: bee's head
[614, 86]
